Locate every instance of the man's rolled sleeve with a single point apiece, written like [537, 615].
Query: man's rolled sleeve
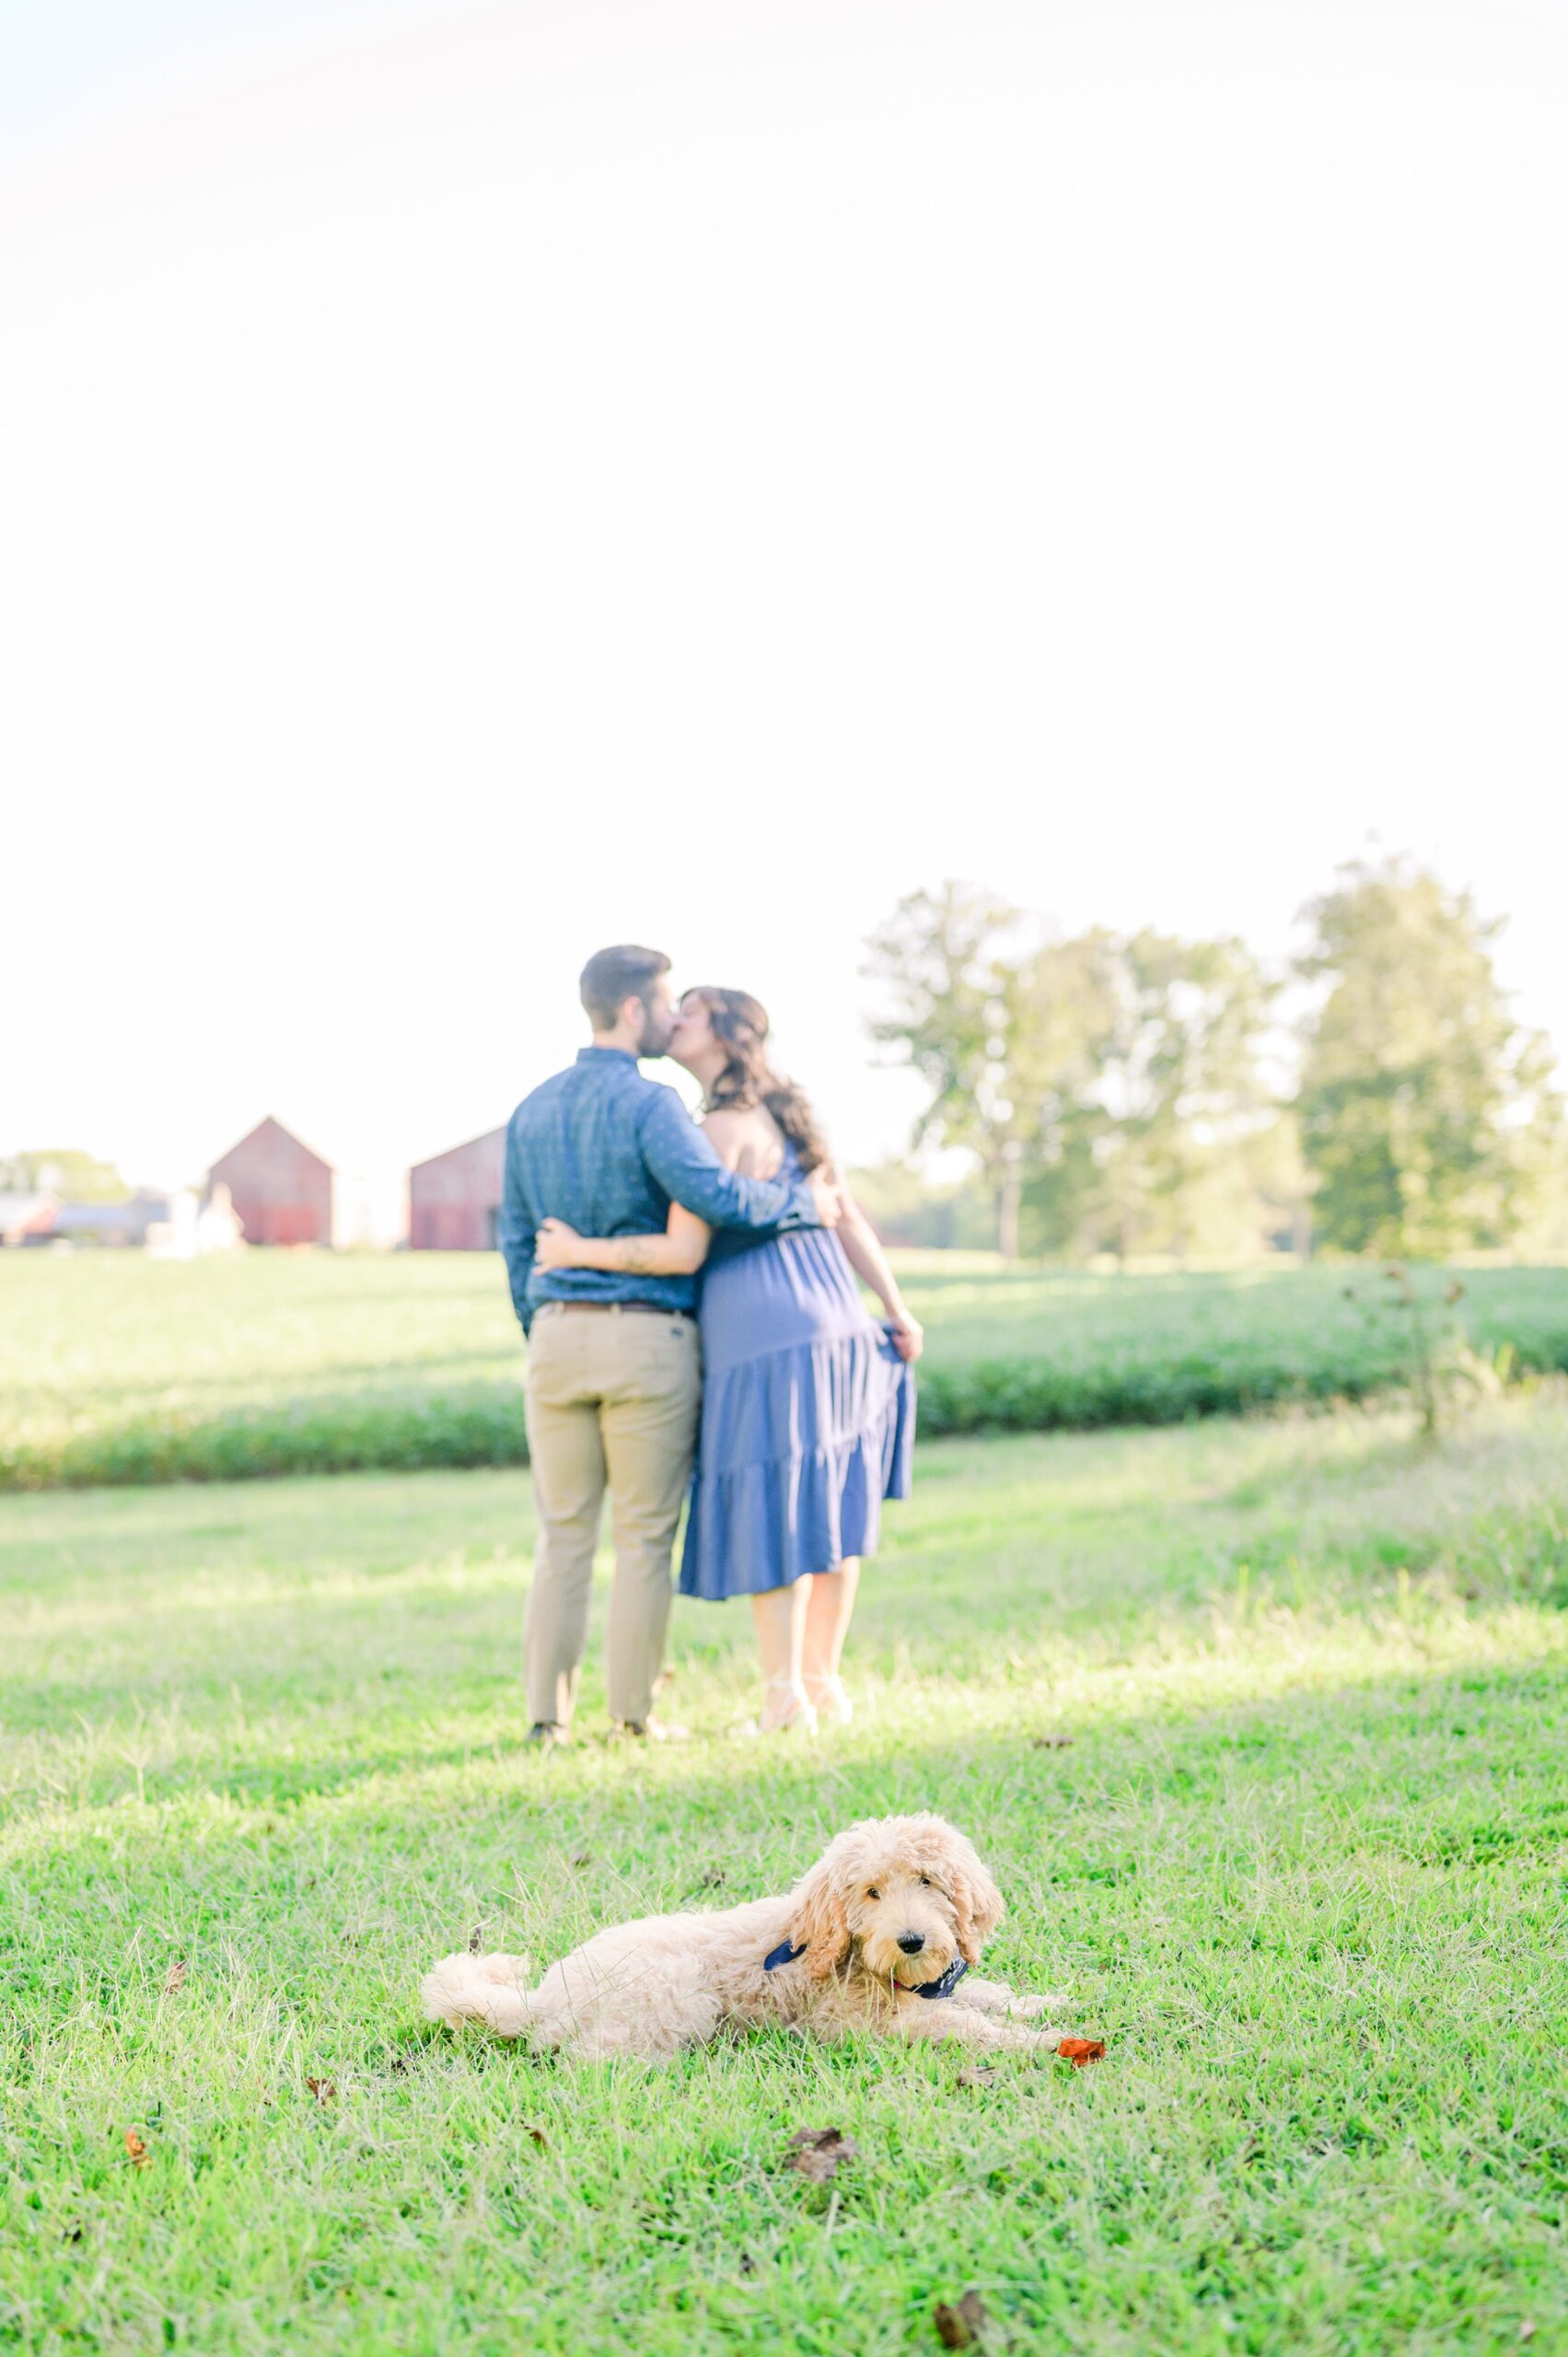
[690, 1172]
[514, 1234]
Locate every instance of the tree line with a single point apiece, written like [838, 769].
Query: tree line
[1143, 1093]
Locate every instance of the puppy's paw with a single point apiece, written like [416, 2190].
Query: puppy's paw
[443, 1989]
[1029, 2007]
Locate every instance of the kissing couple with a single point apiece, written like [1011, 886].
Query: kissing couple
[695, 1328]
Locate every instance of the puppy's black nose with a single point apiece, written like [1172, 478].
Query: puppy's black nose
[911, 1942]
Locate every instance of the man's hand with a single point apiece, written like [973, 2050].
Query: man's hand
[827, 1197]
[555, 1246]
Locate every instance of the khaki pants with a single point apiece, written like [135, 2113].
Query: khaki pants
[613, 1400]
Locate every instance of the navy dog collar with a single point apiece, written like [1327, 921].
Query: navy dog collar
[784, 1954]
[949, 1982]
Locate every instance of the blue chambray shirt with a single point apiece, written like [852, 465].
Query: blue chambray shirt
[609, 1152]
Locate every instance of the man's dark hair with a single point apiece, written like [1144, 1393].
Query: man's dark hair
[612, 976]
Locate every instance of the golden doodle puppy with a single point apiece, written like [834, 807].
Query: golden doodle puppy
[880, 1935]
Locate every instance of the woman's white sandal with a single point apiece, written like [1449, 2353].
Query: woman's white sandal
[828, 1697]
[800, 1717]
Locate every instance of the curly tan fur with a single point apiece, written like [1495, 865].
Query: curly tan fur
[890, 1906]
[977, 1903]
[820, 1923]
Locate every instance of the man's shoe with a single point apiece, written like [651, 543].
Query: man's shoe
[653, 1731]
[545, 1734]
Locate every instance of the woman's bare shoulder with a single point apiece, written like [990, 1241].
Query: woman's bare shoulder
[746, 1138]
[730, 1120]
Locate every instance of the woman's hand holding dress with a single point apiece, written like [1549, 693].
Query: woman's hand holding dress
[907, 1335]
[555, 1246]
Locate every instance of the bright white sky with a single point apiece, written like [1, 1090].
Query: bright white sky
[479, 482]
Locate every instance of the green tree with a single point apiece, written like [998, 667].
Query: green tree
[1065, 1005]
[952, 1005]
[62, 1171]
[1428, 1116]
[1277, 1186]
[1102, 1082]
[1183, 1083]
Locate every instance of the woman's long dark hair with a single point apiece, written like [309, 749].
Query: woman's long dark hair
[741, 1026]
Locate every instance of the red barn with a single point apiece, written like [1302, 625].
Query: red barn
[454, 1200]
[282, 1192]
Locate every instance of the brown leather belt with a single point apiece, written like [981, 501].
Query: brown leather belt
[610, 1308]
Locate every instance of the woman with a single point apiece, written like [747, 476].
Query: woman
[807, 1407]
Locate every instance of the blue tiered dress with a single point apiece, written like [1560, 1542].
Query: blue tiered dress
[807, 1416]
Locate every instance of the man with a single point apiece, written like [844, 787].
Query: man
[614, 1382]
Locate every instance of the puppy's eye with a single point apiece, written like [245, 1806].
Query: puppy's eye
[927, 1881]
[873, 1892]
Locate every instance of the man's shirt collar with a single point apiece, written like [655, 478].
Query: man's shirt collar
[620, 1055]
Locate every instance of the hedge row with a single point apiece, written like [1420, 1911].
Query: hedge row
[347, 1433]
[483, 1423]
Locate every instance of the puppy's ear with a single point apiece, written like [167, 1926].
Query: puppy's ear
[819, 1924]
[977, 1903]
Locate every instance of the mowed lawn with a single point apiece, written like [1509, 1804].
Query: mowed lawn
[1262, 1727]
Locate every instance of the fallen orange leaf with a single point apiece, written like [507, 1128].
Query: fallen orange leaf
[1079, 2050]
[139, 2153]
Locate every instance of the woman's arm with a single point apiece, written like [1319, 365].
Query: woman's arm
[742, 1141]
[864, 1252]
[679, 1252]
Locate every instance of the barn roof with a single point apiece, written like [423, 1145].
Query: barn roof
[271, 1125]
[488, 1137]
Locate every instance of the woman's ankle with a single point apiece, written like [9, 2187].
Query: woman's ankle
[786, 1703]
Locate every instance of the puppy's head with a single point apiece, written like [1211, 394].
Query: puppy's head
[903, 1896]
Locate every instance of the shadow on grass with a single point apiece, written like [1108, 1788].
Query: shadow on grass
[1120, 1755]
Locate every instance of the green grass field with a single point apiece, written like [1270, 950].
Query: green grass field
[117, 1368]
[1261, 1726]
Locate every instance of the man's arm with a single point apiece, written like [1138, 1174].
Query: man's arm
[690, 1172]
[514, 1234]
